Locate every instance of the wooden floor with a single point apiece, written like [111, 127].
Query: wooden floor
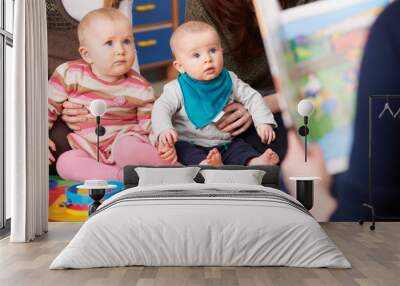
[374, 255]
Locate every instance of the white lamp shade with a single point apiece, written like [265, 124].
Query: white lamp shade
[305, 107]
[98, 107]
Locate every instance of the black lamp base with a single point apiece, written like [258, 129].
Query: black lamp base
[96, 195]
[305, 193]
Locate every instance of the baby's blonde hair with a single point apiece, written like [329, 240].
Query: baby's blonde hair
[111, 14]
[189, 28]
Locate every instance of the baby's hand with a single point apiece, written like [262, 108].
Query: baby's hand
[167, 153]
[168, 137]
[266, 133]
[52, 146]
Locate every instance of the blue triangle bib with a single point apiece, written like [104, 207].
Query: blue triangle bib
[204, 100]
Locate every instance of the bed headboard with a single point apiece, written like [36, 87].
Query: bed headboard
[270, 179]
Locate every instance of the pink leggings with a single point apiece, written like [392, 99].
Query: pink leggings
[77, 165]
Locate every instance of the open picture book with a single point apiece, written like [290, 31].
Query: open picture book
[314, 52]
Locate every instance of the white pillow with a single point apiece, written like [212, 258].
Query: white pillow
[164, 176]
[248, 177]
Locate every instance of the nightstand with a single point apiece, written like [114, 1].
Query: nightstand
[305, 190]
[96, 193]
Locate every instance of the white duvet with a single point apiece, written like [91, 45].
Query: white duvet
[219, 231]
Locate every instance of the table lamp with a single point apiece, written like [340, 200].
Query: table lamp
[305, 108]
[97, 188]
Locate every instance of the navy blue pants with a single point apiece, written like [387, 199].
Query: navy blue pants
[279, 145]
[238, 152]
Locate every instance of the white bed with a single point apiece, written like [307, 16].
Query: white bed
[201, 224]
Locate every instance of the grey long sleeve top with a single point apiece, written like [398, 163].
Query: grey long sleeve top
[169, 112]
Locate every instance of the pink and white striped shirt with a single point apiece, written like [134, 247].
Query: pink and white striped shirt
[129, 105]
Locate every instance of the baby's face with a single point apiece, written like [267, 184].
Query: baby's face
[199, 55]
[110, 48]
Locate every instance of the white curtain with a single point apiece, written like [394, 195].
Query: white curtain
[26, 121]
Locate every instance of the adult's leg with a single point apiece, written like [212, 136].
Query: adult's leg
[131, 150]
[77, 165]
[279, 145]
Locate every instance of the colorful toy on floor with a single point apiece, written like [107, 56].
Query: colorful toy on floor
[67, 203]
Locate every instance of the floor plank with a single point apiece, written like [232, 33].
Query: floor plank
[374, 255]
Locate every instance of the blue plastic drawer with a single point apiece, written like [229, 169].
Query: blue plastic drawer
[151, 11]
[181, 11]
[153, 46]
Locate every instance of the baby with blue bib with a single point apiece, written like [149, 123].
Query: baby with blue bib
[184, 117]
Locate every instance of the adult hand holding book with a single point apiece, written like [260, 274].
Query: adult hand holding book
[314, 52]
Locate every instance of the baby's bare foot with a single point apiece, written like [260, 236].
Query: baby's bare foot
[269, 157]
[214, 158]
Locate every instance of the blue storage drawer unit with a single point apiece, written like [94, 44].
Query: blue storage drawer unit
[153, 46]
[151, 11]
[182, 11]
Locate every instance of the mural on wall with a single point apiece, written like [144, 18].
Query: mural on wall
[94, 53]
[138, 130]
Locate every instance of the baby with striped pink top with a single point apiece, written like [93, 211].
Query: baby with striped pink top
[104, 72]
